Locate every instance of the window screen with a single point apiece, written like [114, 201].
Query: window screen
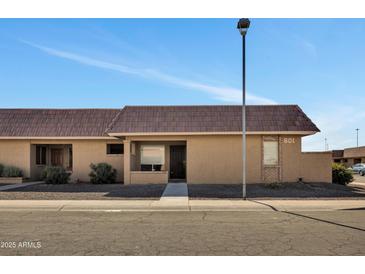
[271, 153]
[152, 155]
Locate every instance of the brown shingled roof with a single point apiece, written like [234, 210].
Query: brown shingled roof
[55, 122]
[226, 118]
[154, 119]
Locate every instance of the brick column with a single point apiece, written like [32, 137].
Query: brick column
[127, 162]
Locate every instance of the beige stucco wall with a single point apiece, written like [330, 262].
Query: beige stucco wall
[93, 151]
[218, 159]
[16, 153]
[316, 167]
[210, 159]
[291, 152]
[149, 177]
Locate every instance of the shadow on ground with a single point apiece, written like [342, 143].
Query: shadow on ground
[282, 190]
[83, 191]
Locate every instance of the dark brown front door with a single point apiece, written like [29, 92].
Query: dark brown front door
[57, 157]
[177, 162]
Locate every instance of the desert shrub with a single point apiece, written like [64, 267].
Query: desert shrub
[11, 171]
[102, 173]
[1, 169]
[55, 175]
[341, 175]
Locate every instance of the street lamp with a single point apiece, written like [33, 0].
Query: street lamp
[357, 137]
[242, 26]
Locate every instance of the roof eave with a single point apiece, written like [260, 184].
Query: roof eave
[301, 133]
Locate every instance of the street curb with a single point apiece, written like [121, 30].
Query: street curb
[179, 205]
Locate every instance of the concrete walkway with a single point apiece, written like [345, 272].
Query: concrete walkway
[181, 205]
[174, 197]
[14, 186]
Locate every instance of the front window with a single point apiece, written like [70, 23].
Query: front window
[114, 149]
[41, 155]
[152, 157]
[271, 153]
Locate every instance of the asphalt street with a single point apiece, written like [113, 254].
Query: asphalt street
[183, 233]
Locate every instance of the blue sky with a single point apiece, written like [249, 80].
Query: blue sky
[102, 63]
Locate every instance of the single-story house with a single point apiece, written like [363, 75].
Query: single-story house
[349, 156]
[158, 144]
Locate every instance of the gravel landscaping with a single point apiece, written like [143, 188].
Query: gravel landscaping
[83, 191]
[87, 191]
[283, 190]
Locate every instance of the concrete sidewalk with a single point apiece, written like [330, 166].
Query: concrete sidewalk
[192, 205]
[174, 198]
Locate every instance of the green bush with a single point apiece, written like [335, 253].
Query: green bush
[1, 169]
[55, 175]
[102, 173]
[341, 175]
[11, 171]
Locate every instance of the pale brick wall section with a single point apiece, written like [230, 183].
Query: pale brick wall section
[355, 152]
[316, 167]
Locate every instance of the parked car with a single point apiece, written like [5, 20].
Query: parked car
[362, 172]
[358, 167]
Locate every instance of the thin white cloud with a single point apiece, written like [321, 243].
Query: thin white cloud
[308, 46]
[226, 94]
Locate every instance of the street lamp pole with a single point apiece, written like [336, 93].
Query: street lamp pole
[357, 137]
[242, 26]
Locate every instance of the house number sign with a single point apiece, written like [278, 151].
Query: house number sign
[287, 140]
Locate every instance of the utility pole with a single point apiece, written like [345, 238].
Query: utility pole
[325, 144]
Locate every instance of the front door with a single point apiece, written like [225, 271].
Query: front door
[57, 157]
[177, 162]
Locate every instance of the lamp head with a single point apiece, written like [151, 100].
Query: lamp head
[243, 25]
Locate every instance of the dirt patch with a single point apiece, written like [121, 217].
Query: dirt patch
[83, 191]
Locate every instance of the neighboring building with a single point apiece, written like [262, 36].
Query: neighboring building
[349, 156]
[156, 144]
